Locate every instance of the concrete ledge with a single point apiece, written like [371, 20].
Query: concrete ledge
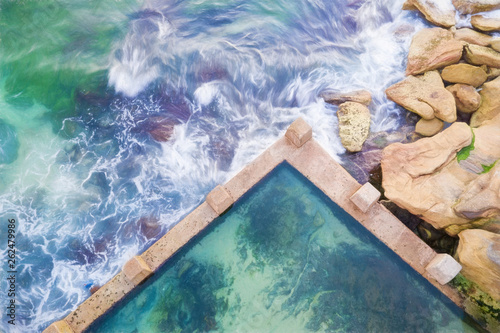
[443, 268]
[100, 302]
[137, 270]
[365, 197]
[60, 326]
[301, 151]
[258, 169]
[219, 200]
[299, 132]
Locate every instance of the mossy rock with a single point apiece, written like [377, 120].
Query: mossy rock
[478, 304]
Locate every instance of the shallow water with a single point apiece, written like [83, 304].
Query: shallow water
[87, 88]
[286, 259]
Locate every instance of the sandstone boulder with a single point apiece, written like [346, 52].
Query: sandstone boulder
[354, 125]
[481, 199]
[431, 49]
[485, 23]
[472, 37]
[479, 254]
[436, 12]
[429, 127]
[447, 179]
[424, 95]
[337, 98]
[492, 72]
[475, 6]
[490, 105]
[480, 55]
[467, 98]
[495, 44]
[465, 74]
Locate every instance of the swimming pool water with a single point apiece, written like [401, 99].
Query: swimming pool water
[285, 258]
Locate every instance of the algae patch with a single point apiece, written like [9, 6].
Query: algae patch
[464, 153]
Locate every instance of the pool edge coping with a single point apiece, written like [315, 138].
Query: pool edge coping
[302, 152]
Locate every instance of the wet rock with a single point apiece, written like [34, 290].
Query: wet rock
[490, 106]
[337, 98]
[354, 125]
[429, 127]
[479, 254]
[414, 174]
[475, 6]
[432, 49]
[424, 95]
[480, 55]
[472, 37]
[440, 15]
[467, 98]
[465, 74]
[485, 23]
[94, 289]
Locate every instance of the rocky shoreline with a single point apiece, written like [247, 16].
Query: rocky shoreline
[444, 171]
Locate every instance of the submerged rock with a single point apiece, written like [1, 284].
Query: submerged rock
[425, 95]
[475, 6]
[490, 106]
[429, 127]
[485, 23]
[467, 98]
[149, 226]
[479, 254]
[337, 98]
[434, 11]
[432, 49]
[354, 125]
[465, 74]
[481, 55]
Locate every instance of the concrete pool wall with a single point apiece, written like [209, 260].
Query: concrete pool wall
[302, 152]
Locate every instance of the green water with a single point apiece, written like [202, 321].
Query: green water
[285, 259]
[52, 53]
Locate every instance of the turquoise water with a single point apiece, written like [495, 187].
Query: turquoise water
[118, 117]
[285, 259]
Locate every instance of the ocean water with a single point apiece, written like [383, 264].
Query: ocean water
[285, 258]
[118, 117]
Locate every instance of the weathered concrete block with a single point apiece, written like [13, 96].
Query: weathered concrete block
[136, 270]
[219, 200]
[443, 268]
[60, 326]
[365, 197]
[299, 132]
